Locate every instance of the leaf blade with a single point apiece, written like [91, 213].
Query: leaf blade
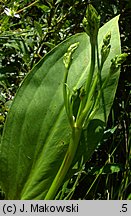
[37, 132]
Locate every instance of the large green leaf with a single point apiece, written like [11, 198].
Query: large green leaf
[36, 134]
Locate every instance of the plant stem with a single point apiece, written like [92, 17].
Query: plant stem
[30, 5]
[76, 133]
[88, 104]
[100, 80]
[92, 68]
[66, 92]
[88, 81]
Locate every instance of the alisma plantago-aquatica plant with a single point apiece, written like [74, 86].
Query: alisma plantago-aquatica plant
[87, 106]
[50, 114]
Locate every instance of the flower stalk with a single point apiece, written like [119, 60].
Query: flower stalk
[91, 24]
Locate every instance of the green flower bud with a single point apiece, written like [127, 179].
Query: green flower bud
[91, 23]
[104, 53]
[68, 56]
[107, 38]
[82, 92]
[116, 62]
[73, 96]
[105, 50]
